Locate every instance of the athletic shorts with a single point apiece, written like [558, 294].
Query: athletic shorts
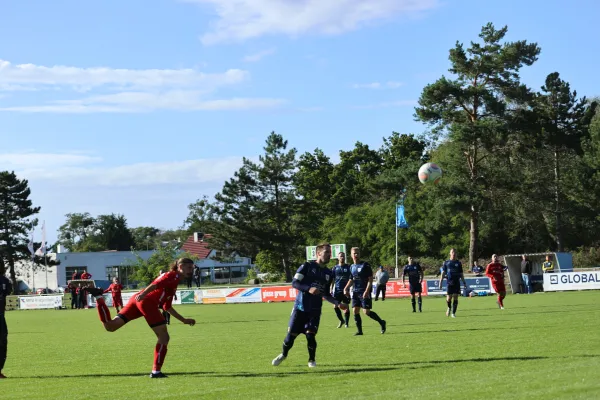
[453, 288]
[341, 297]
[359, 301]
[303, 321]
[117, 301]
[415, 287]
[499, 287]
[148, 309]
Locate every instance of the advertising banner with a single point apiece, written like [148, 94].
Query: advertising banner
[215, 296]
[278, 293]
[186, 297]
[39, 302]
[244, 295]
[125, 296]
[572, 281]
[395, 289]
[479, 284]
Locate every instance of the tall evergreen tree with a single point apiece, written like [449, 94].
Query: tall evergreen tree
[563, 121]
[16, 212]
[278, 205]
[477, 109]
[257, 207]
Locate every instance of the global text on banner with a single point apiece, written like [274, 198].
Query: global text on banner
[572, 281]
[278, 293]
[39, 302]
[244, 295]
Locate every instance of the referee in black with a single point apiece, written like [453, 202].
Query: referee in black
[5, 290]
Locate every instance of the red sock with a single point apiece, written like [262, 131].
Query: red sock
[160, 352]
[103, 311]
[500, 298]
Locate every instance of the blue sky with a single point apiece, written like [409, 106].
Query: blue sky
[141, 107]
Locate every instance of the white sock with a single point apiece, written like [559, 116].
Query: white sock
[155, 372]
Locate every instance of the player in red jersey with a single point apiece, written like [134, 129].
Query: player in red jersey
[146, 303]
[115, 289]
[495, 271]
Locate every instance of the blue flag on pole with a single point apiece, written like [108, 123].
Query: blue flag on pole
[400, 219]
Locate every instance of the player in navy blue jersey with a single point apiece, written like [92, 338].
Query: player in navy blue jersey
[453, 272]
[362, 280]
[341, 276]
[415, 280]
[312, 280]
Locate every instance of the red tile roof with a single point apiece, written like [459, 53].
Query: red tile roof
[199, 248]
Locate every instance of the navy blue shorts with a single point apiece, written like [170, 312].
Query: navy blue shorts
[453, 288]
[359, 301]
[303, 321]
[416, 287]
[341, 297]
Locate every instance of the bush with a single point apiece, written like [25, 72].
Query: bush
[586, 257]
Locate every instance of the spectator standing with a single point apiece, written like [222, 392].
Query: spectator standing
[381, 280]
[548, 266]
[5, 290]
[526, 275]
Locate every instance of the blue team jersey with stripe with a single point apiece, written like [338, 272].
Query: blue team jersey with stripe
[313, 275]
[453, 270]
[341, 275]
[360, 275]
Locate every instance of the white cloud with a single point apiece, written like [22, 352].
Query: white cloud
[133, 102]
[378, 85]
[239, 20]
[398, 103]
[259, 56]
[78, 170]
[31, 77]
[33, 160]
[125, 90]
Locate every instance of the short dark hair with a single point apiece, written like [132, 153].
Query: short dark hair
[321, 246]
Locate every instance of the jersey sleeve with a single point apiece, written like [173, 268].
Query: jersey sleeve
[445, 268]
[297, 282]
[110, 288]
[164, 281]
[368, 270]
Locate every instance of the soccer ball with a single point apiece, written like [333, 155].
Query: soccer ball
[430, 173]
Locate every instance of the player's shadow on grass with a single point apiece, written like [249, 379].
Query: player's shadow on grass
[246, 321]
[340, 370]
[492, 328]
[467, 314]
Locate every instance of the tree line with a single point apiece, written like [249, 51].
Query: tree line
[521, 174]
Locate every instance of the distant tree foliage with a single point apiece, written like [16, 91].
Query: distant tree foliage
[16, 222]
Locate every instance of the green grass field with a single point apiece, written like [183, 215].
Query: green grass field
[543, 346]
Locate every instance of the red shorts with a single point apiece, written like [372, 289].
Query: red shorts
[145, 308]
[117, 301]
[499, 287]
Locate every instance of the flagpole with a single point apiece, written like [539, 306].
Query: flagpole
[396, 211]
[30, 247]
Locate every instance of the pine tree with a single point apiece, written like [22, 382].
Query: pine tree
[477, 110]
[16, 211]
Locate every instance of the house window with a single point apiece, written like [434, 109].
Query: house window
[69, 271]
[123, 272]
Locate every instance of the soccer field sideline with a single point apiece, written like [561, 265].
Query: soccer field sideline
[228, 354]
